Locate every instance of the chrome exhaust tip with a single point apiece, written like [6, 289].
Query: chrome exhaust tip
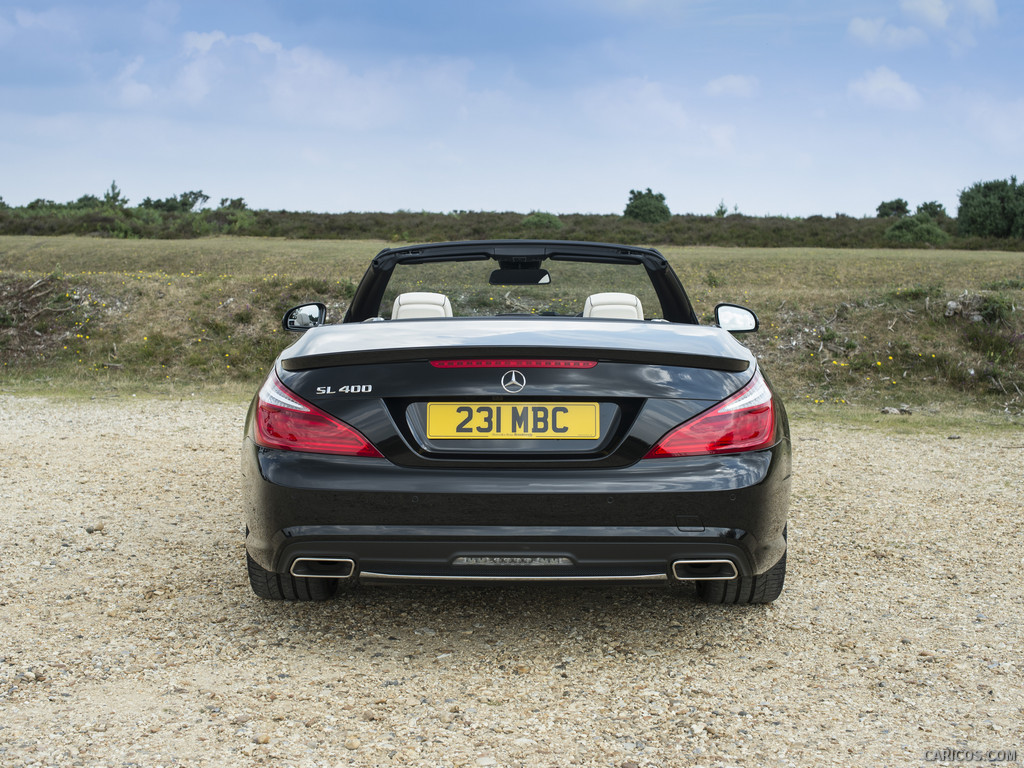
[323, 567]
[704, 570]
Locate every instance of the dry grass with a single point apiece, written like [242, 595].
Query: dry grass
[838, 326]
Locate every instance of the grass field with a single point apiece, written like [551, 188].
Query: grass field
[839, 327]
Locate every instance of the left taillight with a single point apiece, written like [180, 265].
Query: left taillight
[287, 422]
[743, 422]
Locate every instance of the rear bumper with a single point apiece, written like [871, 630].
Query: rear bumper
[440, 553]
[631, 523]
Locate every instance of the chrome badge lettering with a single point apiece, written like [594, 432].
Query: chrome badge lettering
[347, 389]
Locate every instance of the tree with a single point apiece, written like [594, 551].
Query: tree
[113, 197]
[648, 207]
[186, 202]
[992, 209]
[897, 208]
[87, 202]
[934, 209]
[189, 200]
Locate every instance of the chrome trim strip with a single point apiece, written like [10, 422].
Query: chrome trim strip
[409, 577]
[730, 563]
[340, 560]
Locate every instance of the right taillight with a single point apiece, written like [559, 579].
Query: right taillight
[744, 422]
[287, 422]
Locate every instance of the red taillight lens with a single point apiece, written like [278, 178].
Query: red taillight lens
[513, 363]
[744, 422]
[287, 422]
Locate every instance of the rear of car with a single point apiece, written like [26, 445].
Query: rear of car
[516, 448]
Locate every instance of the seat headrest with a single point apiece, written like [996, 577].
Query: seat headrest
[420, 304]
[624, 306]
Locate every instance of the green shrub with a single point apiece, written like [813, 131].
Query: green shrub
[542, 220]
[992, 209]
[1006, 284]
[648, 207]
[916, 230]
[916, 292]
[996, 308]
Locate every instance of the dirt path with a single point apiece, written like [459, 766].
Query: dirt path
[900, 630]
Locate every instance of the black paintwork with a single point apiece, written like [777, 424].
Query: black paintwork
[648, 401]
[342, 502]
[650, 343]
[598, 502]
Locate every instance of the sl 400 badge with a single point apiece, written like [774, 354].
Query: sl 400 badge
[348, 389]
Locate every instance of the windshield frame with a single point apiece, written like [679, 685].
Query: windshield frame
[675, 304]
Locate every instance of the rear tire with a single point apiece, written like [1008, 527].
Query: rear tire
[746, 590]
[284, 586]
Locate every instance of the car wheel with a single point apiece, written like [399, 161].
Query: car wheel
[284, 586]
[747, 589]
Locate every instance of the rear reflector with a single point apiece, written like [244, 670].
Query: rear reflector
[513, 363]
[287, 422]
[744, 422]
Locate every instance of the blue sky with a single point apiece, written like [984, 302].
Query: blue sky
[790, 107]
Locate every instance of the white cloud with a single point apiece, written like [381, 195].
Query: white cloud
[52, 21]
[984, 10]
[158, 18]
[634, 101]
[955, 20]
[879, 33]
[951, 21]
[1000, 123]
[884, 88]
[934, 12]
[304, 83]
[732, 85]
[253, 77]
[263, 43]
[202, 42]
[132, 92]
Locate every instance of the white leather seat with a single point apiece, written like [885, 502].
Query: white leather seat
[622, 306]
[420, 304]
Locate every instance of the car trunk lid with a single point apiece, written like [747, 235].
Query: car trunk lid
[517, 392]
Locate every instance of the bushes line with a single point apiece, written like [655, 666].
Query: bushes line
[647, 221]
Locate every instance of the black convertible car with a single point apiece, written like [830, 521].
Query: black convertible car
[517, 411]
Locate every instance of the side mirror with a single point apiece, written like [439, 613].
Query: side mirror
[302, 318]
[736, 319]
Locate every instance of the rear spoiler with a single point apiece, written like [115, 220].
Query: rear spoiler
[602, 355]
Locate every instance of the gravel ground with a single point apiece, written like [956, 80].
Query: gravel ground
[129, 636]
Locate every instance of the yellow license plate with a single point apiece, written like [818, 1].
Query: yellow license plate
[512, 421]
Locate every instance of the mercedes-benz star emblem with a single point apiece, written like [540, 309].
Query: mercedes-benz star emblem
[513, 382]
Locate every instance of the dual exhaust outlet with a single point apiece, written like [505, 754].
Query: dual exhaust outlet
[323, 567]
[682, 570]
[704, 570]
